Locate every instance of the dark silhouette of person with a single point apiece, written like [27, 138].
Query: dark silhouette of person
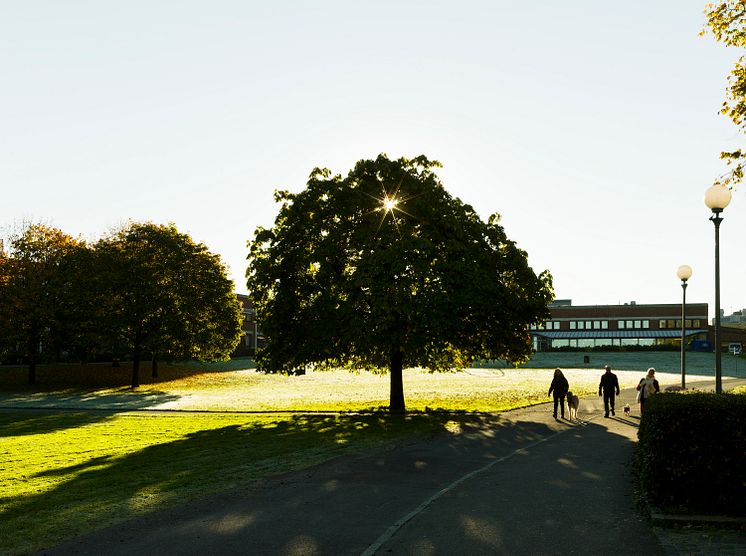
[647, 387]
[559, 386]
[609, 386]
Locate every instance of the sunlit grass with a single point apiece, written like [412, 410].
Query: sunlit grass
[63, 474]
[77, 471]
[184, 388]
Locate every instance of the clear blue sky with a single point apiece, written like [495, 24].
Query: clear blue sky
[591, 127]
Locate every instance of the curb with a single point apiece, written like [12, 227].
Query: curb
[659, 518]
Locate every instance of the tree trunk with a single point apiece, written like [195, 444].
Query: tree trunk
[32, 369]
[33, 342]
[137, 352]
[396, 396]
[154, 368]
[136, 368]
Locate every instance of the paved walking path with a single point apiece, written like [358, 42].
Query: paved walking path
[519, 483]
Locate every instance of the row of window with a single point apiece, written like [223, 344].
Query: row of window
[601, 342]
[641, 324]
[676, 324]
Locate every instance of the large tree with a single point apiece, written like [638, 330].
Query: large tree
[727, 22]
[384, 269]
[31, 292]
[170, 297]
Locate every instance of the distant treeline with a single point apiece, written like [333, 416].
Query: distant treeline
[144, 290]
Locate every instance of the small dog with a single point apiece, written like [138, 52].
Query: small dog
[626, 410]
[572, 405]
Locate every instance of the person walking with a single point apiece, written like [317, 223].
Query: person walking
[609, 387]
[647, 387]
[559, 386]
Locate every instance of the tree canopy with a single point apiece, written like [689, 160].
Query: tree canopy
[31, 292]
[170, 296]
[727, 22]
[144, 289]
[385, 269]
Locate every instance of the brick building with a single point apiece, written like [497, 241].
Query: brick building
[616, 326]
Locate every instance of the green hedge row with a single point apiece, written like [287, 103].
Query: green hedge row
[691, 455]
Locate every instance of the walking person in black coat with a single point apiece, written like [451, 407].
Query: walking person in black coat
[609, 386]
[559, 386]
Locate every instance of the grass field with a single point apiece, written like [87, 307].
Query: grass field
[63, 474]
[75, 469]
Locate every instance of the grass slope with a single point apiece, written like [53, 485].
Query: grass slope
[63, 473]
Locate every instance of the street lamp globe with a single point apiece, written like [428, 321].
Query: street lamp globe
[684, 272]
[717, 198]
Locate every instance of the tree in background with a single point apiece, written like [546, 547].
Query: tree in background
[727, 22]
[31, 293]
[384, 269]
[82, 310]
[168, 296]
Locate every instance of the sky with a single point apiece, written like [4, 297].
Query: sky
[591, 127]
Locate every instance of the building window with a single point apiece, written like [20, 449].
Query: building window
[596, 325]
[638, 324]
[604, 324]
[573, 325]
[581, 325]
[620, 325]
[629, 324]
[646, 324]
[696, 323]
[661, 324]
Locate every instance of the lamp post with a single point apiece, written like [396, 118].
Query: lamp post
[717, 198]
[684, 273]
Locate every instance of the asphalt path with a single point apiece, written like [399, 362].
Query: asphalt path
[519, 482]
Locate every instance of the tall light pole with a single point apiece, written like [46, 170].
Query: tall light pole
[717, 198]
[684, 273]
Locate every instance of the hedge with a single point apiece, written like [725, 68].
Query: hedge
[691, 455]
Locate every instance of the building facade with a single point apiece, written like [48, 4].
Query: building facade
[616, 326]
[251, 336]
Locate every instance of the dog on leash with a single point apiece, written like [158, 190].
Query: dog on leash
[626, 410]
[572, 405]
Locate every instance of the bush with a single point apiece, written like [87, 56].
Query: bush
[691, 454]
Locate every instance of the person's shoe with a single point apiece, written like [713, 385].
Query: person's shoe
[606, 414]
[612, 412]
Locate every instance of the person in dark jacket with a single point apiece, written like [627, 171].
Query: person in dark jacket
[609, 386]
[559, 386]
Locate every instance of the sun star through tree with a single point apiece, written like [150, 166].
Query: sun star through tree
[338, 284]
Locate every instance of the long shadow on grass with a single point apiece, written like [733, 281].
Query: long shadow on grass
[341, 507]
[122, 399]
[108, 490]
[38, 413]
[112, 490]
[26, 422]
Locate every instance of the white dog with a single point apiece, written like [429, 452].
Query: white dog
[572, 404]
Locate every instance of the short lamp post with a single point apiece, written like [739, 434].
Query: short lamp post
[717, 198]
[684, 272]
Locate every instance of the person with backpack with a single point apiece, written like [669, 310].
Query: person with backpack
[647, 387]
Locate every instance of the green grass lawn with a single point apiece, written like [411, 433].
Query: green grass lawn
[63, 473]
[214, 388]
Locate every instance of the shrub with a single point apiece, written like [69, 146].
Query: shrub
[691, 454]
